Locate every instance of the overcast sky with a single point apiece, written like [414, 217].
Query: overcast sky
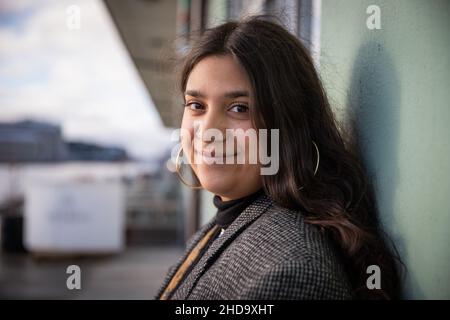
[82, 79]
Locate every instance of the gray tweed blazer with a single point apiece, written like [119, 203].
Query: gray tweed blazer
[268, 252]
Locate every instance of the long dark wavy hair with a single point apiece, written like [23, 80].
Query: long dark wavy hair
[288, 95]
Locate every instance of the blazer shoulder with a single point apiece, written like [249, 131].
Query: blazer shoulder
[283, 235]
[287, 228]
[297, 259]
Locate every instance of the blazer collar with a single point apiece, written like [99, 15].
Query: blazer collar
[251, 213]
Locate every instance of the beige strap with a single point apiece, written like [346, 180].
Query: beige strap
[186, 263]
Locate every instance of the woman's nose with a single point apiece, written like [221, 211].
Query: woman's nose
[210, 129]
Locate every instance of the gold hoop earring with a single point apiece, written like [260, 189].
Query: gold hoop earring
[318, 157]
[177, 169]
[317, 163]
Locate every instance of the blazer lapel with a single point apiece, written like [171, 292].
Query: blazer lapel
[251, 213]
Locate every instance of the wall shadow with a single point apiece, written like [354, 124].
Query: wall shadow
[374, 103]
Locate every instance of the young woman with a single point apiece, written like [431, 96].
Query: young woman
[307, 231]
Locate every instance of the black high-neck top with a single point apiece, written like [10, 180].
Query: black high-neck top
[228, 211]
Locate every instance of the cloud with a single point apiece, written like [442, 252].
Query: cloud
[83, 79]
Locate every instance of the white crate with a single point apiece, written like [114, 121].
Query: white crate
[74, 216]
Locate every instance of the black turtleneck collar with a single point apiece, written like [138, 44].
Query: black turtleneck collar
[227, 211]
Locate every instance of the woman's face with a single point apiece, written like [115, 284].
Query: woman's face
[218, 97]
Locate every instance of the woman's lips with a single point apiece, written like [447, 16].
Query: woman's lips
[211, 155]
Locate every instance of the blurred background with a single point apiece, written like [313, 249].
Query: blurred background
[89, 102]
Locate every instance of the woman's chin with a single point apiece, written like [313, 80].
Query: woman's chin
[217, 185]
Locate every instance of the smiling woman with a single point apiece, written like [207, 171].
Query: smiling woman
[307, 231]
[218, 97]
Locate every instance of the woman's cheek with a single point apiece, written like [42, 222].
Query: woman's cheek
[187, 134]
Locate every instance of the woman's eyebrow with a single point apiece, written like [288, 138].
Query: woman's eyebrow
[237, 94]
[231, 94]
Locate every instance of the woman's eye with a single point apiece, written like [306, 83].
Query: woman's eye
[194, 106]
[239, 108]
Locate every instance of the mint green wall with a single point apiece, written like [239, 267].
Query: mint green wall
[397, 82]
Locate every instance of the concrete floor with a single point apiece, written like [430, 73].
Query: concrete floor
[134, 274]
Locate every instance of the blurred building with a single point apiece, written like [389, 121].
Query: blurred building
[82, 151]
[35, 141]
[27, 141]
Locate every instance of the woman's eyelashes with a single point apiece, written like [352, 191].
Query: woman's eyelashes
[194, 106]
[237, 108]
[239, 111]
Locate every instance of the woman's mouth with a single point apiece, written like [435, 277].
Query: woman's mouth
[210, 156]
